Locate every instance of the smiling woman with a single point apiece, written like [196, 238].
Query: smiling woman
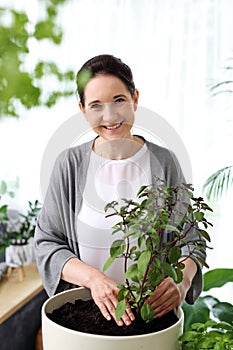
[108, 99]
[73, 235]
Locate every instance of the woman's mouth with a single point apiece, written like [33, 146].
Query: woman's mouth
[113, 127]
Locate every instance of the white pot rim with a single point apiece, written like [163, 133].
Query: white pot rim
[180, 315]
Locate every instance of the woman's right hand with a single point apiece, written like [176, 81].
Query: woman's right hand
[104, 292]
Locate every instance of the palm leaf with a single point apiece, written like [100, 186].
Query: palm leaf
[226, 82]
[224, 86]
[218, 183]
[223, 92]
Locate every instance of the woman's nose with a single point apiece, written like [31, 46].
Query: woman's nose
[109, 113]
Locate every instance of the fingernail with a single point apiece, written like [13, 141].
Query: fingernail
[120, 323]
[108, 317]
[127, 323]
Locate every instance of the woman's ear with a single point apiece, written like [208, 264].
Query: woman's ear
[81, 107]
[135, 98]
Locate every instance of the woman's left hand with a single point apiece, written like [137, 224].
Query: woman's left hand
[167, 296]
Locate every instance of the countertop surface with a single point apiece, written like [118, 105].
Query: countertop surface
[15, 293]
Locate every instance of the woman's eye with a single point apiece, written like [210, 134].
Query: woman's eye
[119, 100]
[96, 106]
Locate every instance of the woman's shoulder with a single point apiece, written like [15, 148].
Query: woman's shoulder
[76, 151]
[72, 156]
[165, 159]
[159, 151]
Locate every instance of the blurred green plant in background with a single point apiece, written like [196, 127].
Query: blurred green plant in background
[20, 86]
[209, 322]
[220, 181]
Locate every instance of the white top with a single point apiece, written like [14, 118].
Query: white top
[108, 180]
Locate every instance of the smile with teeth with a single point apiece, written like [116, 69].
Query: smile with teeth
[112, 127]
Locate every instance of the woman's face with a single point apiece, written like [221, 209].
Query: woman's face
[109, 107]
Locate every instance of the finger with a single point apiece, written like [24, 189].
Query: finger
[158, 293]
[130, 312]
[128, 316]
[167, 290]
[104, 311]
[167, 305]
[164, 310]
[166, 301]
[106, 308]
[111, 307]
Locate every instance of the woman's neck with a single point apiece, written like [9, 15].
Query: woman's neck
[119, 148]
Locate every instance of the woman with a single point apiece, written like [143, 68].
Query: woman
[73, 236]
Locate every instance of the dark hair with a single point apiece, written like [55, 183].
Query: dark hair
[103, 64]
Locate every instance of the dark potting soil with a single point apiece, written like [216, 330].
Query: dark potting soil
[84, 316]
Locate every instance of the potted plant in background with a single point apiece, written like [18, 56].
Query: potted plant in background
[159, 211]
[6, 189]
[221, 180]
[16, 232]
[209, 322]
[218, 182]
[20, 231]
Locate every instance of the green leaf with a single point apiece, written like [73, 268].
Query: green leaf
[141, 190]
[205, 235]
[209, 300]
[155, 277]
[188, 336]
[3, 187]
[206, 343]
[147, 313]
[217, 278]
[224, 325]
[202, 262]
[48, 29]
[198, 215]
[123, 293]
[144, 260]
[120, 309]
[141, 241]
[219, 182]
[132, 272]
[223, 312]
[170, 227]
[198, 327]
[117, 248]
[199, 312]
[169, 270]
[108, 263]
[83, 78]
[219, 346]
[179, 274]
[174, 254]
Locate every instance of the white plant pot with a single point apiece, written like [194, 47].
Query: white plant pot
[56, 337]
[19, 255]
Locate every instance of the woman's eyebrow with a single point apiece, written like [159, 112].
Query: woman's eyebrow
[95, 101]
[120, 95]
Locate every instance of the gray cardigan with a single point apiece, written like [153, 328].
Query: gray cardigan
[56, 236]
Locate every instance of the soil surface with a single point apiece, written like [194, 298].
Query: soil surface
[84, 316]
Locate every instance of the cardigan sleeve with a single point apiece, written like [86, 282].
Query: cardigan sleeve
[54, 228]
[176, 177]
[164, 164]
